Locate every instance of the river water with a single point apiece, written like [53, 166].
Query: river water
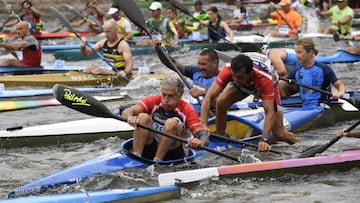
[19, 166]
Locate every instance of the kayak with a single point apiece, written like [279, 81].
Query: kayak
[344, 161]
[142, 194]
[11, 105]
[122, 159]
[57, 67]
[84, 130]
[71, 78]
[49, 92]
[272, 42]
[49, 35]
[341, 56]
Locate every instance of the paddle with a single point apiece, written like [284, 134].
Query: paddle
[78, 14]
[292, 81]
[71, 20]
[9, 18]
[67, 24]
[318, 149]
[230, 139]
[183, 9]
[87, 104]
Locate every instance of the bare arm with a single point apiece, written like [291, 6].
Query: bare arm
[14, 46]
[87, 51]
[228, 30]
[340, 89]
[277, 57]
[35, 11]
[209, 100]
[130, 114]
[125, 49]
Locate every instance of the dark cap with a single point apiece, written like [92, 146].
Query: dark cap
[197, 2]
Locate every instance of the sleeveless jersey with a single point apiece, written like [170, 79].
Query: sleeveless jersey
[31, 53]
[215, 27]
[113, 56]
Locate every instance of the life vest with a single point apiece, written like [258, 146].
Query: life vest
[34, 22]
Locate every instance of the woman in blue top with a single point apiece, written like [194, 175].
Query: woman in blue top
[312, 73]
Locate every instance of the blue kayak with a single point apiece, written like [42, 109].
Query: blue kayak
[341, 56]
[123, 159]
[143, 194]
[48, 91]
[40, 69]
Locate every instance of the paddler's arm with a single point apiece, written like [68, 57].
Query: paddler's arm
[341, 89]
[87, 51]
[124, 48]
[209, 100]
[269, 122]
[131, 114]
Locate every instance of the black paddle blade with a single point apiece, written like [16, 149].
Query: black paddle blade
[318, 149]
[180, 7]
[64, 20]
[133, 12]
[80, 101]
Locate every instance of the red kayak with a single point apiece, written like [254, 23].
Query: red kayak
[47, 35]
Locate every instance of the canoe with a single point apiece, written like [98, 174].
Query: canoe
[11, 105]
[122, 159]
[84, 130]
[71, 78]
[136, 195]
[49, 92]
[271, 42]
[50, 35]
[341, 162]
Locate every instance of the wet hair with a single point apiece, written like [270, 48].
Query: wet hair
[216, 11]
[251, 47]
[308, 45]
[24, 2]
[175, 82]
[211, 53]
[241, 61]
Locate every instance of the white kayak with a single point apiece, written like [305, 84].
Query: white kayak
[71, 131]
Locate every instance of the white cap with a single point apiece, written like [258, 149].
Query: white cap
[112, 10]
[155, 6]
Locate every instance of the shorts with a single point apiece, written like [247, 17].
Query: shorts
[150, 151]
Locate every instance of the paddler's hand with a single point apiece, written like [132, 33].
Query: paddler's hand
[194, 143]
[121, 74]
[83, 44]
[337, 94]
[133, 121]
[155, 40]
[263, 146]
[195, 92]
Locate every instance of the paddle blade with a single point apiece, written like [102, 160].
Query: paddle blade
[63, 20]
[133, 12]
[80, 101]
[180, 7]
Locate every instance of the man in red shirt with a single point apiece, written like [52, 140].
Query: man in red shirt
[167, 113]
[27, 52]
[247, 76]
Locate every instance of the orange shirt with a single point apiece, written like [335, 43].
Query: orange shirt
[292, 18]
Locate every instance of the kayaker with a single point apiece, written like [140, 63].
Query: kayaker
[124, 26]
[199, 14]
[311, 73]
[341, 16]
[289, 22]
[179, 24]
[31, 15]
[27, 52]
[168, 113]
[202, 75]
[353, 133]
[218, 29]
[95, 18]
[115, 50]
[240, 14]
[160, 27]
[237, 80]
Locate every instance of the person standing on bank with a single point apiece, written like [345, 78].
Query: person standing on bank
[27, 52]
[115, 50]
[235, 82]
[168, 113]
